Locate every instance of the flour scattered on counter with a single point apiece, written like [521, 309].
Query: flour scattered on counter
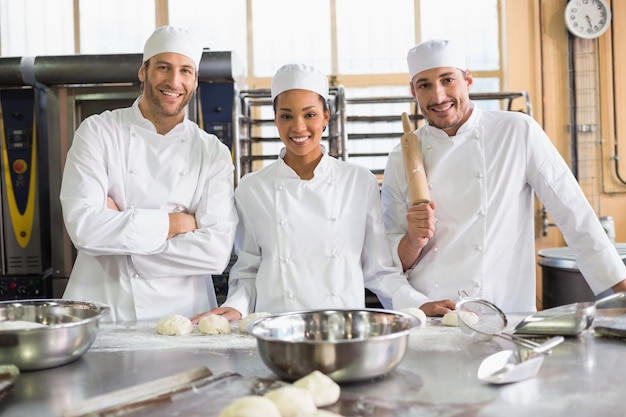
[20, 325]
[437, 337]
[116, 337]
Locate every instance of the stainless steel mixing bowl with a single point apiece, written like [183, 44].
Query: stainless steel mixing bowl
[346, 345]
[70, 329]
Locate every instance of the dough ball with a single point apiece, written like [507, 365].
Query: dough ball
[214, 324]
[292, 401]
[243, 323]
[251, 406]
[175, 325]
[325, 391]
[416, 312]
[452, 318]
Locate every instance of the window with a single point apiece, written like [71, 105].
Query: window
[341, 37]
[373, 37]
[472, 23]
[289, 31]
[115, 26]
[36, 27]
[360, 44]
[221, 25]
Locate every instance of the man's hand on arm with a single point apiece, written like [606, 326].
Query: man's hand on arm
[438, 308]
[421, 227]
[111, 204]
[228, 312]
[620, 286]
[181, 223]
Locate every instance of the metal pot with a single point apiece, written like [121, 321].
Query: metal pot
[346, 345]
[562, 281]
[70, 327]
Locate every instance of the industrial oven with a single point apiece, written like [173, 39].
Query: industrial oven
[44, 99]
[24, 229]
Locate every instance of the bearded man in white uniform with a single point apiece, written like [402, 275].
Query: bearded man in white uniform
[477, 232]
[148, 196]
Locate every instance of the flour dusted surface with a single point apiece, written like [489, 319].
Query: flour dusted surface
[116, 337]
[20, 325]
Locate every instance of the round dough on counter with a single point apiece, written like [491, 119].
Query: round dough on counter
[325, 391]
[251, 406]
[292, 401]
[214, 324]
[451, 318]
[174, 325]
[243, 323]
[417, 313]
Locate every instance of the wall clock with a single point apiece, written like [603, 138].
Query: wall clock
[587, 18]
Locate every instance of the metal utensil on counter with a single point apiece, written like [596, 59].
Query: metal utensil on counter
[566, 320]
[482, 320]
[509, 366]
[135, 397]
[611, 332]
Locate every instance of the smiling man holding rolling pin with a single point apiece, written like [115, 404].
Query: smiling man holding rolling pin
[468, 223]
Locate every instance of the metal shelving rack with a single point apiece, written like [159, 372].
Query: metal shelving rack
[341, 140]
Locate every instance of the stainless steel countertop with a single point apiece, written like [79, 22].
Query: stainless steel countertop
[584, 376]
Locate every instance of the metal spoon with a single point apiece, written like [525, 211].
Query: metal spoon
[509, 366]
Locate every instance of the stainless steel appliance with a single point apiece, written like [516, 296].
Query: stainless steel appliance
[67, 89]
[24, 229]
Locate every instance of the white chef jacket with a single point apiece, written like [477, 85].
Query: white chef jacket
[124, 258]
[312, 244]
[482, 183]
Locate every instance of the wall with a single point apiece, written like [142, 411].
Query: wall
[613, 87]
[536, 31]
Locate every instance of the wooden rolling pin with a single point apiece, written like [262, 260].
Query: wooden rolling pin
[413, 163]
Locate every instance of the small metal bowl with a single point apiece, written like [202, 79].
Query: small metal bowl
[346, 345]
[70, 329]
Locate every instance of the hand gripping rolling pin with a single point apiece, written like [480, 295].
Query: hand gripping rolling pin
[413, 164]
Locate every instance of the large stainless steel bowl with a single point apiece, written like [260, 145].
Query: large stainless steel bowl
[346, 345]
[71, 328]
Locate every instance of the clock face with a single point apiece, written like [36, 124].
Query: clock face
[587, 18]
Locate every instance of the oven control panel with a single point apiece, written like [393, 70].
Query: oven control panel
[25, 287]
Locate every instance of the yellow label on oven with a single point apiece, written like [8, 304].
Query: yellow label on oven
[22, 222]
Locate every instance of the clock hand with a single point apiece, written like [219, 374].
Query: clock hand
[589, 21]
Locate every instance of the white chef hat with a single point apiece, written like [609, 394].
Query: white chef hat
[435, 53]
[299, 77]
[173, 39]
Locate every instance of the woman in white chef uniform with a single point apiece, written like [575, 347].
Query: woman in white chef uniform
[311, 233]
[147, 195]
